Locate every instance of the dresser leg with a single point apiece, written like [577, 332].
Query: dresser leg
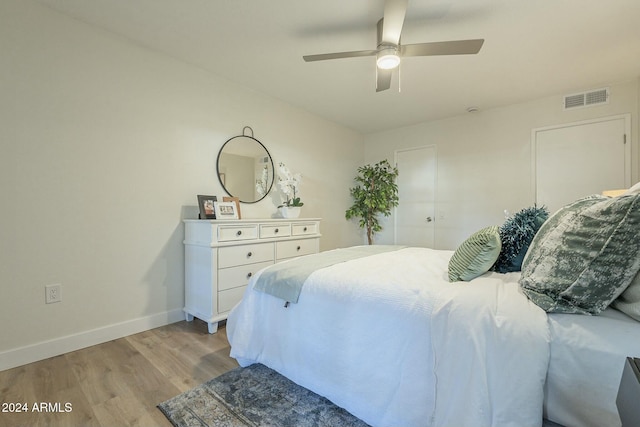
[213, 327]
[188, 317]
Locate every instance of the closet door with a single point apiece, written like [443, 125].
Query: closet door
[579, 159]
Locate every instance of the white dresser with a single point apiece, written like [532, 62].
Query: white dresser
[222, 255]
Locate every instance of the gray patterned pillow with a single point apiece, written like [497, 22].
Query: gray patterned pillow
[476, 255]
[584, 256]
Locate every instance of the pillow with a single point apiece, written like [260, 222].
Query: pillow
[475, 255]
[516, 234]
[584, 256]
[633, 190]
[629, 301]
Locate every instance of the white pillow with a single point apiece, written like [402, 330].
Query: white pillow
[629, 301]
[633, 190]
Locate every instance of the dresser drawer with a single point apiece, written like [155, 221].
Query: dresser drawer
[232, 256]
[303, 228]
[233, 277]
[274, 230]
[294, 248]
[229, 298]
[229, 233]
[221, 257]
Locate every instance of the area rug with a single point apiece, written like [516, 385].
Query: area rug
[255, 396]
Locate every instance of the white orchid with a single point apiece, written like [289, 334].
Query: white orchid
[289, 185]
[261, 184]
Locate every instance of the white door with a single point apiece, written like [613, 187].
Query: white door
[415, 213]
[580, 159]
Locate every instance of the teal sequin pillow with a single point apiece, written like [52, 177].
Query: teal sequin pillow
[584, 256]
[516, 235]
[476, 255]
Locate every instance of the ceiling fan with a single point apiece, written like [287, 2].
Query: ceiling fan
[389, 50]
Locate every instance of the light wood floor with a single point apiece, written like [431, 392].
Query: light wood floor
[118, 383]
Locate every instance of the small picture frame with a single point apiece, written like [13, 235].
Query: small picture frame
[226, 210]
[206, 204]
[235, 200]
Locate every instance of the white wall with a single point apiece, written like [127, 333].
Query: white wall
[104, 146]
[484, 158]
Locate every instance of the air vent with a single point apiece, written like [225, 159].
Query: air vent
[586, 99]
[597, 97]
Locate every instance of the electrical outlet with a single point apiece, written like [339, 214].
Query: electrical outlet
[53, 293]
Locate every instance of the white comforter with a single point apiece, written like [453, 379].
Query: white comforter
[388, 338]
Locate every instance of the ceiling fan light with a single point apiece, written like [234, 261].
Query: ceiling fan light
[388, 58]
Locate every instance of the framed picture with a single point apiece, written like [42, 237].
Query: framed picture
[226, 210]
[235, 200]
[207, 206]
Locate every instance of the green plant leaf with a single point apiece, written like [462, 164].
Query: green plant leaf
[377, 194]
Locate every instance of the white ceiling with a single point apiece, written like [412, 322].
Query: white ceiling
[532, 49]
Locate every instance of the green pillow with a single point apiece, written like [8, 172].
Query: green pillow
[584, 256]
[476, 255]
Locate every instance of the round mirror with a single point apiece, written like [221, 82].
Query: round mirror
[245, 169]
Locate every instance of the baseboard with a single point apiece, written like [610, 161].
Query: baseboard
[43, 350]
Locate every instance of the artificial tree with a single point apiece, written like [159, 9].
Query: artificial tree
[375, 194]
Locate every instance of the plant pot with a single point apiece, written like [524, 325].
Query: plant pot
[290, 211]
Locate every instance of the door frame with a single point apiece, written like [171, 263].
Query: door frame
[435, 184]
[627, 161]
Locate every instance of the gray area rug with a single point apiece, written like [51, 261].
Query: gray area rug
[254, 396]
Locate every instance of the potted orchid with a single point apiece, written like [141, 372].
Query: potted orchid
[289, 185]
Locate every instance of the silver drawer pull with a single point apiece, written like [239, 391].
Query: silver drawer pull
[239, 233]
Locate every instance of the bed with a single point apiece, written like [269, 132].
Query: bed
[586, 362]
[388, 336]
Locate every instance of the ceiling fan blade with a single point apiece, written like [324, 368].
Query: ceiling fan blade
[454, 47]
[339, 55]
[383, 79]
[393, 20]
